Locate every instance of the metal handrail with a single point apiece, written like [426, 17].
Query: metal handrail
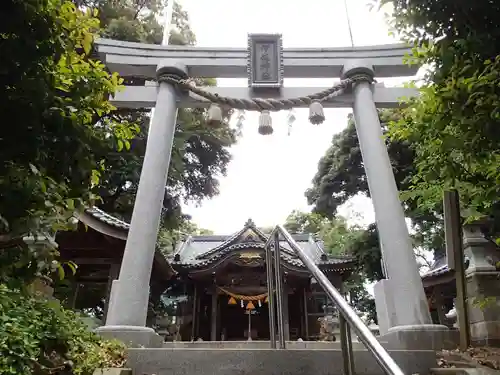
[364, 334]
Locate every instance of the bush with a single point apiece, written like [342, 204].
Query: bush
[40, 337]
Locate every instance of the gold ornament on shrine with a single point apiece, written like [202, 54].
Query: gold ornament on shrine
[249, 300]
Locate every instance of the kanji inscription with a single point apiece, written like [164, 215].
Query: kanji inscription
[265, 61]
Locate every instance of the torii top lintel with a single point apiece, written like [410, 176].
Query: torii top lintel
[140, 59]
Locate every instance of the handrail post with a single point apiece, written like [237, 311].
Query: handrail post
[270, 296]
[381, 355]
[279, 290]
[346, 346]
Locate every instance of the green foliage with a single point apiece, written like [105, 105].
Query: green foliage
[58, 97]
[447, 138]
[453, 126]
[340, 173]
[304, 222]
[341, 176]
[39, 337]
[359, 297]
[446, 21]
[266, 230]
[53, 155]
[483, 303]
[21, 264]
[340, 239]
[168, 238]
[366, 251]
[336, 235]
[200, 153]
[137, 20]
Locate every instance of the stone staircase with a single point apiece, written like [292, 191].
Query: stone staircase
[252, 358]
[260, 344]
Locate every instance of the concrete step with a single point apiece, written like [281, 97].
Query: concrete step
[463, 371]
[259, 344]
[205, 361]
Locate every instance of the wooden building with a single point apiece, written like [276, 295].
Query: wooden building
[214, 285]
[440, 289]
[226, 288]
[96, 247]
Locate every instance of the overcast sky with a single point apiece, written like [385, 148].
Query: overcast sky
[268, 175]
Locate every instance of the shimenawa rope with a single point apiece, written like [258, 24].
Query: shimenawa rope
[261, 104]
[267, 105]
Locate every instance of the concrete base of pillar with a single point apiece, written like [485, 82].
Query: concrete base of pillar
[384, 304]
[133, 337]
[421, 337]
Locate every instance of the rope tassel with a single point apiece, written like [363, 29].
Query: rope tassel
[214, 115]
[265, 123]
[316, 113]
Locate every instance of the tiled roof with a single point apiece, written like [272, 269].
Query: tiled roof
[436, 271]
[440, 267]
[123, 228]
[201, 251]
[106, 218]
[249, 225]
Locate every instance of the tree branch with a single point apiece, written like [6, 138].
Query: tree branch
[8, 242]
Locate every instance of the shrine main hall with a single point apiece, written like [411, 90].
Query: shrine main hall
[215, 286]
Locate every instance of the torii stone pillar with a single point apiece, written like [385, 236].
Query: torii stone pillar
[410, 303]
[126, 316]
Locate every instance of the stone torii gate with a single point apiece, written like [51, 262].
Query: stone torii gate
[171, 66]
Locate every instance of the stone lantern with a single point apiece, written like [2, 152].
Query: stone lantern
[482, 280]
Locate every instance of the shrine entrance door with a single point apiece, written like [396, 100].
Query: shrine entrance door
[237, 321]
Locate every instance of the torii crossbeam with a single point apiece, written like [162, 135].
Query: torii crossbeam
[141, 60]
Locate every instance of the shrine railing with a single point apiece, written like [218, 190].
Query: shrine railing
[348, 317]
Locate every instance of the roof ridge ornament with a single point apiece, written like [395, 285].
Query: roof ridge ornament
[250, 224]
